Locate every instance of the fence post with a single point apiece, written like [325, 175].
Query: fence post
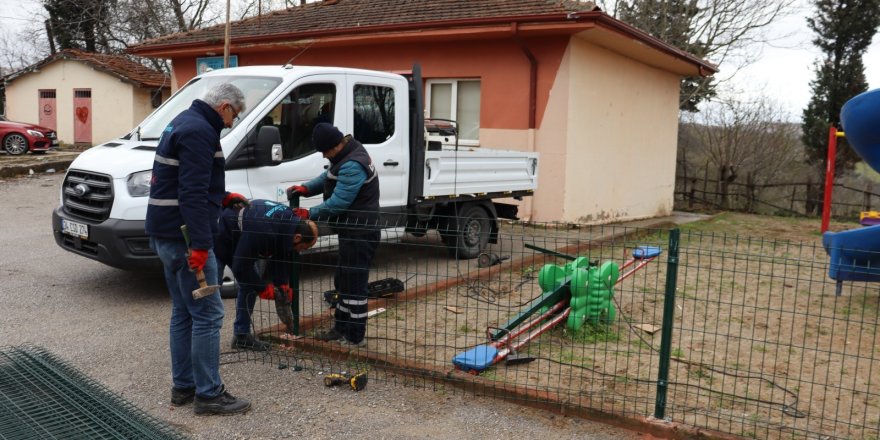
[666, 330]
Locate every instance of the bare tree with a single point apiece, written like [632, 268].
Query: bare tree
[741, 141]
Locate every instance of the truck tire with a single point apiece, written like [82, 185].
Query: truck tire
[469, 232]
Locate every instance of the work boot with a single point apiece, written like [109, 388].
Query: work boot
[224, 404]
[182, 396]
[328, 335]
[343, 341]
[249, 342]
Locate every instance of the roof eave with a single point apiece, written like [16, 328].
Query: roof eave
[568, 23]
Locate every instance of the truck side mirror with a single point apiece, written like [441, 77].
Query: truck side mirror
[268, 151]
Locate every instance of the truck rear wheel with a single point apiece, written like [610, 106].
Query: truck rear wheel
[468, 233]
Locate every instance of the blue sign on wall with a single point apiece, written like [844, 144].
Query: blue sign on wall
[214, 63]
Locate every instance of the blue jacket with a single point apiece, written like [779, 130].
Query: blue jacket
[188, 182]
[262, 230]
[350, 180]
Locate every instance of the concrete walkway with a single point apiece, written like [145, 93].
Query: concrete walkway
[58, 160]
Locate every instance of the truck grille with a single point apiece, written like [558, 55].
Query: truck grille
[87, 195]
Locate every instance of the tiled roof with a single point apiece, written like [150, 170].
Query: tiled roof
[116, 65]
[345, 15]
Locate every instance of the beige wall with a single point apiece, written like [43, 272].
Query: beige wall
[622, 128]
[607, 140]
[117, 106]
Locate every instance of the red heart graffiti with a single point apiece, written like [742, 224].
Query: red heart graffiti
[82, 113]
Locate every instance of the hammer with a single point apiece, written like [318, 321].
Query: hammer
[204, 289]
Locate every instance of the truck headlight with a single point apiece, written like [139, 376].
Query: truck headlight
[35, 133]
[139, 184]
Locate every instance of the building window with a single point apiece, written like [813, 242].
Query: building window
[457, 100]
[373, 113]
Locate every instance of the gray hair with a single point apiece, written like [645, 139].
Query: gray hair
[225, 92]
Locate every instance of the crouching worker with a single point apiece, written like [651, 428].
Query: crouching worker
[257, 243]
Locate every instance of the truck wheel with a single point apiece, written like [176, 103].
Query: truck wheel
[229, 289]
[471, 233]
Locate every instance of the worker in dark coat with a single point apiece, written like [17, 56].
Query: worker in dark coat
[188, 188]
[350, 187]
[257, 243]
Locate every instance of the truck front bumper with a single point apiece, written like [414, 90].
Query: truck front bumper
[118, 243]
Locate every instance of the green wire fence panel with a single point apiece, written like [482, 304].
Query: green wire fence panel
[703, 325]
[42, 397]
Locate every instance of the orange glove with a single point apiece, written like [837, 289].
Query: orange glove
[299, 189]
[197, 259]
[302, 213]
[287, 291]
[268, 293]
[236, 200]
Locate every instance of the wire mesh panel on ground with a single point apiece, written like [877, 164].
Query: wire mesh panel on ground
[43, 397]
[758, 343]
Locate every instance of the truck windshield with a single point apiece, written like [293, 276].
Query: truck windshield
[254, 89]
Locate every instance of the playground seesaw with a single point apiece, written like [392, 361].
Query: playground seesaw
[579, 292]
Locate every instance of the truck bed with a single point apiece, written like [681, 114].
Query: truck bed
[479, 171]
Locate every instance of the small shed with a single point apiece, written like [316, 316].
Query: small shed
[87, 98]
[597, 98]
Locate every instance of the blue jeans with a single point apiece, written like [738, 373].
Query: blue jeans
[195, 324]
[245, 300]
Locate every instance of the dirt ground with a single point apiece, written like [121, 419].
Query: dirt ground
[761, 347]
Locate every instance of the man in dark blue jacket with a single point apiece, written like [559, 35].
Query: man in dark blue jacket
[351, 207]
[257, 243]
[188, 188]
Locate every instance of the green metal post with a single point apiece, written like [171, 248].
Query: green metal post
[666, 331]
[293, 198]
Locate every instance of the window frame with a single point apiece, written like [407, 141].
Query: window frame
[453, 82]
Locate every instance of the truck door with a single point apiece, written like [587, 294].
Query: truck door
[312, 99]
[377, 111]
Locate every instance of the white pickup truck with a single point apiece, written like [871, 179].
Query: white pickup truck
[424, 185]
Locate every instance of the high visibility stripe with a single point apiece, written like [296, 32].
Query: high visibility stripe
[358, 315]
[241, 219]
[371, 178]
[342, 308]
[163, 202]
[167, 161]
[331, 176]
[355, 302]
[219, 154]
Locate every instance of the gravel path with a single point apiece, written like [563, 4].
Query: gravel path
[112, 325]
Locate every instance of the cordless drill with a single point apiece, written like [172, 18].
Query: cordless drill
[357, 381]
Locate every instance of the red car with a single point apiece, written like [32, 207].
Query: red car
[19, 137]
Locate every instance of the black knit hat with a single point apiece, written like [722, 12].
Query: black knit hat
[325, 136]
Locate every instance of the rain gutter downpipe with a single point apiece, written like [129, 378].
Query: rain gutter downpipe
[533, 74]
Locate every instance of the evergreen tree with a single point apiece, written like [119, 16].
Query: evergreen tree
[672, 21]
[844, 29]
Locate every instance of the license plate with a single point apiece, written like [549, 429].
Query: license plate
[75, 229]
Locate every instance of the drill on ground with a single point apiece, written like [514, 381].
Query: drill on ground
[357, 381]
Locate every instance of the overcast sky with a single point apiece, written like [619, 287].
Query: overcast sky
[781, 71]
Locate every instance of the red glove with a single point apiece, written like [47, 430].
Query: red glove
[236, 200]
[268, 293]
[287, 291]
[197, 259]
[297, 189]
[302, 213]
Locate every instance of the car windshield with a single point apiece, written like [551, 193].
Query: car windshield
[254, 89]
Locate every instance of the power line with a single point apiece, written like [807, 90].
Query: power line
[17, 18]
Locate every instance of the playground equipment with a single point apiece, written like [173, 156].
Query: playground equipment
[577, 292]
[855, 254]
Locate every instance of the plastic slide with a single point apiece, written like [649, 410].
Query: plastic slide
[855, 254]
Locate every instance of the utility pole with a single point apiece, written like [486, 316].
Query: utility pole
[226, 39]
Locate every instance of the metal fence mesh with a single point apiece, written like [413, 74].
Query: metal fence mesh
[42, 397]
[757, 342]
